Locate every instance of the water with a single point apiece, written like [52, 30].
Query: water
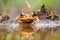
[43, 31]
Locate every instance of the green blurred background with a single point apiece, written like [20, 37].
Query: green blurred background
[33, 3]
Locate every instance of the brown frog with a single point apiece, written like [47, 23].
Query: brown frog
[26, 24]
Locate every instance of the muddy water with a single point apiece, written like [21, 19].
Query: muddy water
[7, 32]
[39, 35]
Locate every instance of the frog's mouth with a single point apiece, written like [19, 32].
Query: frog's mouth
[27, 20]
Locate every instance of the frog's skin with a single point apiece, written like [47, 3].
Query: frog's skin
[26, 20]
[26, 26]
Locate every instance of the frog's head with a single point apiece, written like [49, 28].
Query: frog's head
[26, 18]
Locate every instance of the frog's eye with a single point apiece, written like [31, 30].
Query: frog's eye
[21, 15]
[34, 14]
